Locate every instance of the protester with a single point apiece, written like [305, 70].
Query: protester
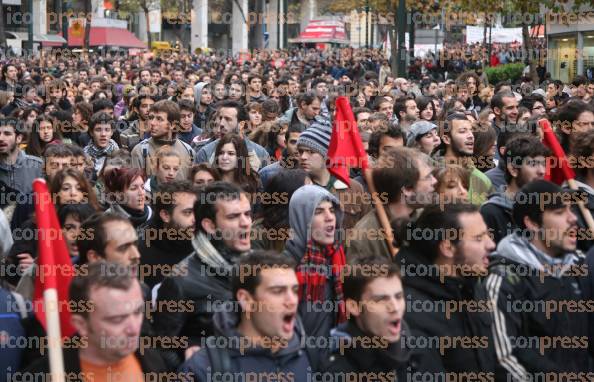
[544, 251]
[452, 183]
[101, 130]
[167, 237]
[315, 216]
[313, 152]
[138, 129]
[583, 151]
[203, 174]
[525, 159]
[505, 107]
[17, 169]
[231, 120]
[127, 196]
[163, 122]
[309, 106]
[458, 148]
[112, 346]
[223, 222]
[423, 136]
[290, 155]
[233, 163]
[444, 265]
[167, 163]
[187, 129]
[404, 184]
[266, 324]
[271, 229]
[44, 133]
[374, 338]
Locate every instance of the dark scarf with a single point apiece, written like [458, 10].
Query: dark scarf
[312, 274]
[137, 217]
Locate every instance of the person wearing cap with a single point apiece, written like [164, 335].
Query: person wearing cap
[313, 153]
[423, 136]
[537, 264]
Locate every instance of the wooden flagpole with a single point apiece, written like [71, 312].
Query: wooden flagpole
[381, 212]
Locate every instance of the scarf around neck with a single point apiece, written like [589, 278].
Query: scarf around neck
[313, 272]
[210, 255]
[97, 152]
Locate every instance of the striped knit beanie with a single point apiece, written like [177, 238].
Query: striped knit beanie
[317, 136]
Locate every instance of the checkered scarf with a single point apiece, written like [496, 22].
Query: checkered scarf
[313, 272]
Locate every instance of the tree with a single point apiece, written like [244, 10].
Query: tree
[2, 31]
[529, 16]
[88, 18]
[133, 6]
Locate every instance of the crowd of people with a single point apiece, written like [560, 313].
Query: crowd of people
[213, 243]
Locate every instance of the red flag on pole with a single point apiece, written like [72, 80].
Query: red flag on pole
[55, 270]
[346, 148]
[558, 168]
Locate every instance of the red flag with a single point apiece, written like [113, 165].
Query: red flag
[346, 148]
[558, 168]
[55, 270]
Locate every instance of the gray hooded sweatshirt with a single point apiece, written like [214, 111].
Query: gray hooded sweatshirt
[519, 250]
[198, 93]
[317, 318]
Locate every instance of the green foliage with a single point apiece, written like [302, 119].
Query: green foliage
[505, 72]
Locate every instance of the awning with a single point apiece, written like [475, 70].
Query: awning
[537, 31]
[49, 38]
[330, 31]
[104, 36]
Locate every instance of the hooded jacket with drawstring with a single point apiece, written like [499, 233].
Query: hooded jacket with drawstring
[201, 118]
[497, 213]
[529, 290]
[317, 320]
[291, 360]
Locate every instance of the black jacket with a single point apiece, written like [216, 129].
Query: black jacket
[292, 360]
[535, 306]
[457, 339]
[395, 362]
[497, 213]
[150, 361]
[160, 250]
[199, 289]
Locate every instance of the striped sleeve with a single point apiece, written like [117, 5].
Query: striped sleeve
[503, 330]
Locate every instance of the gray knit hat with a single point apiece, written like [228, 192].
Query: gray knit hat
[317, 136]
[417, 130]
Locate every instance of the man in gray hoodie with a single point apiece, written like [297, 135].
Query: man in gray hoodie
[524, 161]
[204, 109]
[315, 218]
